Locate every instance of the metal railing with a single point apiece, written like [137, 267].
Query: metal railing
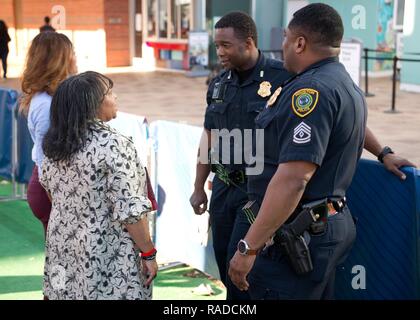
[395, 60]
[273, 54]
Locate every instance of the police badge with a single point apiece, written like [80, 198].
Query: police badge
[265, 89]
[274, 97]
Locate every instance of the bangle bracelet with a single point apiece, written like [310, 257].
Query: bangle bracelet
[149, 253]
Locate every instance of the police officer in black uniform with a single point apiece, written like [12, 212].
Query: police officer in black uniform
[314, 130]
[234, 99]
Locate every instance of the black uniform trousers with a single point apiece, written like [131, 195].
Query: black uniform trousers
[229, 225]
[272, 277]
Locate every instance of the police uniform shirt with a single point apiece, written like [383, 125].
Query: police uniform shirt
[232, 104]
[319, 117]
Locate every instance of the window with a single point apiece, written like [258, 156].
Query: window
[169, 19]
[185, 9]
[151, 18]
[399, 6]
[175, 17]
[163, 18]
[180, 18]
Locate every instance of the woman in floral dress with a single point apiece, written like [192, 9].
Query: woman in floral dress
[98, 225]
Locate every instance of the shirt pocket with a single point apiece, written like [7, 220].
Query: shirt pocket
[252, 108]
[216, 112]
[256, 106]
[265, 117]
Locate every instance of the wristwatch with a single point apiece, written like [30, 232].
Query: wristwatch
[384, 152]
[245, 250]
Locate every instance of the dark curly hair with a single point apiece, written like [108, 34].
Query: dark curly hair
[320, 23]
[242, 24]
[74, 109]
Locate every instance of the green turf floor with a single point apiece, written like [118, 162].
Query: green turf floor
[5, 189]
[22, 258]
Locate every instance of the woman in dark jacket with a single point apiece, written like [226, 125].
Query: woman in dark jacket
[4, 46]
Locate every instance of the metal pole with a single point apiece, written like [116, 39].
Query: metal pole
[394, 86]
[367, 94]
[366, 71]
[153, 146]
[14, 152]
[394, 83]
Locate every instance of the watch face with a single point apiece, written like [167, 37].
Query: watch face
[242, 247]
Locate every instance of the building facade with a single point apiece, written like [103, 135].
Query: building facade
[108, 33]
[155, 33]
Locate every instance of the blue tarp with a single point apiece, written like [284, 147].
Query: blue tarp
[8, 101]
[388, 233]
[24, 165]
[24, 150]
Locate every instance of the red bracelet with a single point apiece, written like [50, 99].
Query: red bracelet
[149, 253]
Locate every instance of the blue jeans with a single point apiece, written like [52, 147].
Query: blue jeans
[229, 225]
[272, 278]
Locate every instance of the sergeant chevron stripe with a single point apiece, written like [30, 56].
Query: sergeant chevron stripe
[302, 133]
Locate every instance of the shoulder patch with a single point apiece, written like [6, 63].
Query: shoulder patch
[304, 101]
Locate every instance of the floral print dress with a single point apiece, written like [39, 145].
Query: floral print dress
[89, 252]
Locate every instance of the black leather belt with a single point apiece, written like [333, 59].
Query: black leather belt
[334, 207]
[338, 205]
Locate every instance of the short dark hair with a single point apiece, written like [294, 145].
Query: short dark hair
[243, 25]
[320, 22]
[47, 19]
[74, 109]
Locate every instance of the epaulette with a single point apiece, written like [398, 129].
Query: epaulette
[276, 64]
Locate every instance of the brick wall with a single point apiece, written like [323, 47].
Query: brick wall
[85, 23]
[6, 12]
[117, 32]
[80, 14]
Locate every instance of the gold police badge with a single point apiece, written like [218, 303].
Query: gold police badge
[265, 89]
[304, 101]
[274, 97]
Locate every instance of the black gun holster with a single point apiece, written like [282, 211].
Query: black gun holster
[290, 235]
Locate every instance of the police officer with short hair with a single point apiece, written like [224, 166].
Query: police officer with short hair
[314, 130]
[234, 99]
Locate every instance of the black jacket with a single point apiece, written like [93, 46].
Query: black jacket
[4, 43]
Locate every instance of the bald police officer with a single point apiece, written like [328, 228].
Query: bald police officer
[314, 130]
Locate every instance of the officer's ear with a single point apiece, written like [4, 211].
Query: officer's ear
[249, 42]
[300, 44]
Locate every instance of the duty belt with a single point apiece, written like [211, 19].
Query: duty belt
[309, 217]
[334, 207]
